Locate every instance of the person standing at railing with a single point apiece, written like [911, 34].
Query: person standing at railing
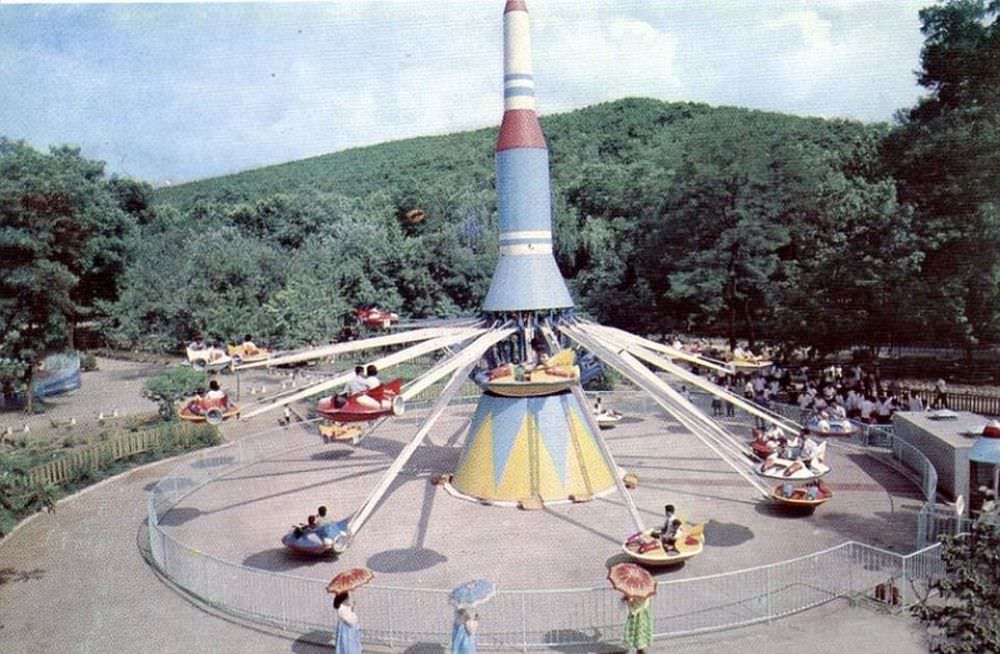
[348, 630]
[940, 400]
[463, 632]
[638, 624]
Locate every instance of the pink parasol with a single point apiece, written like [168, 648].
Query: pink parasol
[348, 580]
[633, 581]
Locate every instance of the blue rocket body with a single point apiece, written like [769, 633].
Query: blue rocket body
[527, 277]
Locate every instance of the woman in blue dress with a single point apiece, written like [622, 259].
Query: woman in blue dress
[348, 631]
[463, 632]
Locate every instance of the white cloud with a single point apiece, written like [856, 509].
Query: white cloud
[180, 91]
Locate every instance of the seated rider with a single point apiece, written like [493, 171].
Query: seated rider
[372, 382]
[357, 383]
[669, 536]
[804, 458]
[371, 377]
[215, 395]
[668, 517]
[540, 347]
[249, 347]
[777, 452]
[197, 403]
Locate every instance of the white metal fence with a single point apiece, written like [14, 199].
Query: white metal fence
[522, 619]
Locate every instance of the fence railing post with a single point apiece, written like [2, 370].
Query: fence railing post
[524, 622]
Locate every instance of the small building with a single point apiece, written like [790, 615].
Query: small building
[947, 442]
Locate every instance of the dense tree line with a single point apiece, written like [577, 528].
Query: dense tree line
[668, 216]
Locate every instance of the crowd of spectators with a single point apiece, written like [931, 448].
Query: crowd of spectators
[850, 391]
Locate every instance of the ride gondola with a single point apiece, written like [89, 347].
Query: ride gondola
[827, 426]
[557, 374]
[647, 549]
[775, 467]
[367, 405]
[803, 497]
[211, 410]
[207, 357]
[324, 539]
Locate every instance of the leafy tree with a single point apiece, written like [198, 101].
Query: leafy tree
[172, 386]
[62, 239]
[966, 618]
[945, 154]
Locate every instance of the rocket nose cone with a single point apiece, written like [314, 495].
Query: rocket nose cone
[515, 5]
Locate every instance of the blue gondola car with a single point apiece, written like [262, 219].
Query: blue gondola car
[330, 537]
[590, 367]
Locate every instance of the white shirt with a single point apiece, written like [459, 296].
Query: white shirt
[372, 382]
[916, 404]
[867, 406]
[808, 449]
[356, 385]
[215, 395]
[347, 614]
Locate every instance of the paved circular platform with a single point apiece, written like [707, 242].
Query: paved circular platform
[422, 537]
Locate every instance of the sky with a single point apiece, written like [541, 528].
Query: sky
[175, 92]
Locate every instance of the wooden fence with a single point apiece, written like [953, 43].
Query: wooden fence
[93, 457]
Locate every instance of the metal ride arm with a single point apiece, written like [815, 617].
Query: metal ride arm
[602, 444]
[356, 346]
[671, 352]
[464, 362]
[712, 429]
[385, 362]
[595, 429]
[638, 347]
[661, 392]
[420, 384]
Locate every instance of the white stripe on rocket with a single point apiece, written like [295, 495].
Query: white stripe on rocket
[517, 57]
[527, 233]
[526, 249]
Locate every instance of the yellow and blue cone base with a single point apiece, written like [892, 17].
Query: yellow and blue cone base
[531, 447]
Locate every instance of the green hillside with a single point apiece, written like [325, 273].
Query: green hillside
[456, 160]
[667, 216]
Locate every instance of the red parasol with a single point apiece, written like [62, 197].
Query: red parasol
[633, 581]
[348, 580]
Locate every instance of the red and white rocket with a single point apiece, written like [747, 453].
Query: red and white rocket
[526, 277]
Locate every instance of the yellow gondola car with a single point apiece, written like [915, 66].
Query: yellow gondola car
[247, 353]
[208, 411]
[557, 374]
[647, 549]
[800, 497]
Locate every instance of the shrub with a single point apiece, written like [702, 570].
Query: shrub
[172, 385]
[88, 362]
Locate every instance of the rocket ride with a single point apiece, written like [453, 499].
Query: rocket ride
[533, 438]
[526, 276]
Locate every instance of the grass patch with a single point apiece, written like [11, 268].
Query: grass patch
[21, 496]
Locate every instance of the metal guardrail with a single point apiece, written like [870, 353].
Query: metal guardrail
[986, 405]
[522, 619]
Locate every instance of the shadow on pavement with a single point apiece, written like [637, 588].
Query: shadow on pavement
[331, 455]
[177, 517]
[280, 559]
[314, 642]
[8, 575]
[726, 534]
[425, 648]
[410, 559]
[775, 510]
